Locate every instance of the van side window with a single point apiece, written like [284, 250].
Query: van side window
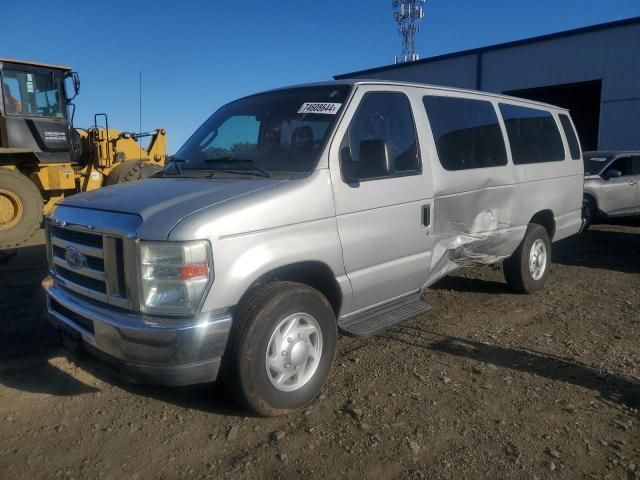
[572, 138]
[466, 131]
[635, 165]
[381, 140]
[533, 134]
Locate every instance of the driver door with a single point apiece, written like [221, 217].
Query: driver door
[382, 198]
[619, 194]
[635, 171]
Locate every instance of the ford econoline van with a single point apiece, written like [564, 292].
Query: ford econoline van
[297, 213]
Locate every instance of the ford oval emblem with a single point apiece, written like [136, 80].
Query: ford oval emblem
[74, 258]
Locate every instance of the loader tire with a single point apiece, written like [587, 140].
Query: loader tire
[20, 208]
[131, 171]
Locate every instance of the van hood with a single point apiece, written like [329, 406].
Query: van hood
[166, 199]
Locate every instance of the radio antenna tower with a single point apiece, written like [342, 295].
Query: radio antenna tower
[408, 13]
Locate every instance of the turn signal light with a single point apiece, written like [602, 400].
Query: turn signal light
[194, 270]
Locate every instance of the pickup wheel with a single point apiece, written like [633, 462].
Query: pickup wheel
[526, 270]
[281, 348]
[589, 212]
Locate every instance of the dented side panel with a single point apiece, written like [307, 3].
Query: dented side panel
[480, 216]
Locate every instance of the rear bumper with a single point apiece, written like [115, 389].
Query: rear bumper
[143, 348]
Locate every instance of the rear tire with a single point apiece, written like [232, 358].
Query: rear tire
[20, 208]
[281, 348]
[527, 269]
[131, 171]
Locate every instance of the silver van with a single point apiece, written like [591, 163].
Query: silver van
[300, 212]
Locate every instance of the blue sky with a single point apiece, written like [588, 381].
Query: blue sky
[197, 55]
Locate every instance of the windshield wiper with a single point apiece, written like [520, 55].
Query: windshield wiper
[239, 161]
[177, 164]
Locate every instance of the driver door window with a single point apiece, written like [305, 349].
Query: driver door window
[622, 164]
[381, 140]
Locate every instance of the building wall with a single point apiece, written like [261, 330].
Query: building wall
[610, 54]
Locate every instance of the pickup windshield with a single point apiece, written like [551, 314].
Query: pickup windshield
[279, 133]
[594, 163]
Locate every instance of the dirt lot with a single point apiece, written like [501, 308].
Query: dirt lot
[490, 385]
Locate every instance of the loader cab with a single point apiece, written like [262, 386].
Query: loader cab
[34, 120]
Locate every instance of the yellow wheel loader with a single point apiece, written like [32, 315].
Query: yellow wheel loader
[43, 158]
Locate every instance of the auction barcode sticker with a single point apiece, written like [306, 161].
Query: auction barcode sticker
[322, 108]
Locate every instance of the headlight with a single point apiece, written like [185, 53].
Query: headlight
[174, 276]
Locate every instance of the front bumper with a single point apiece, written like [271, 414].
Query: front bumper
[147, 349]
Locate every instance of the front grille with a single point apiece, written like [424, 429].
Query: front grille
[79, 320]
[90, 264]
[79, 279]
[76, 236]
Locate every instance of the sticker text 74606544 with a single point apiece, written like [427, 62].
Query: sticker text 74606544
[321, 108]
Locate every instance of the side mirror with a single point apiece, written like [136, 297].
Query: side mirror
[375, 159]
[75, 83]
[613, 173]
[348, 166]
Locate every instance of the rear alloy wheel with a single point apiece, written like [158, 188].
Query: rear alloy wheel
[20, 208]
[538, 260]
[526, 270]
[281, 348]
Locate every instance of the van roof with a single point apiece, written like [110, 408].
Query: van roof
[35, 64]
[358, 81]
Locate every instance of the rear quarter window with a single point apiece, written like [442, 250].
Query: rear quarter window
[466, 131]
[572, 138]
[533, 135]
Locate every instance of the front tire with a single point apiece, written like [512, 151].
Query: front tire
[589, 212]
[527, 269]
[281, 348]
[20, 208]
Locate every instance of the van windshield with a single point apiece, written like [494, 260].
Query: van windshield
[279, 133]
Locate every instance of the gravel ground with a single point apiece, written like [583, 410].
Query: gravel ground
[490, 385]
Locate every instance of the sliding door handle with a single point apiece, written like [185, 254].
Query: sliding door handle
[426, 215]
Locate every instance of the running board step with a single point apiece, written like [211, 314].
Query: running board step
[385, 316]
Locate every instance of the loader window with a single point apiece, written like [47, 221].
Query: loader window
[31, 94]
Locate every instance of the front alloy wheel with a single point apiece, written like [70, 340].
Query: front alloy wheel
[281, 347]
[294, 352]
